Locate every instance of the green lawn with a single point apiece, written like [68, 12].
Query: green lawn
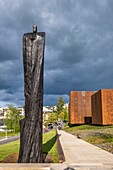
[85, 128]
[49, 146]
[8, 149]
[91, 133]
[3, 134]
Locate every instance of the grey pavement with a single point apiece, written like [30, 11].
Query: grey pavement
[82, 155]
[9, 139]
[79, 155]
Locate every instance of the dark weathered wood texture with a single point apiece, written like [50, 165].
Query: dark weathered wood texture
[31, 125]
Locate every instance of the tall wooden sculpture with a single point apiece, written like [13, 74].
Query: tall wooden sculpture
[31, 125]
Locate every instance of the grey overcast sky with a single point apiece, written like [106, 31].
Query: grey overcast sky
[78, 52]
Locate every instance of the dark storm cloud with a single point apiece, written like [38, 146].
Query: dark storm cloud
[79, 43]
[52, 100]
[84, 55]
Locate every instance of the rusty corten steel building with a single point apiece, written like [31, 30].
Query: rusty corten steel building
[80, 107]
[102, 107]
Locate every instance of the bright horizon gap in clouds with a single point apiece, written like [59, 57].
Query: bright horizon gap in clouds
[78, 51]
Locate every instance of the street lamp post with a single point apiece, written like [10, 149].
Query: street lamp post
[6, 132]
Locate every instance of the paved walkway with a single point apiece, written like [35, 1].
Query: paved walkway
[80, 154]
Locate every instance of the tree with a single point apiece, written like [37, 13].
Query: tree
[61, 116]
[64, 115]
[60, 105]
[52, 118]
[12, 118]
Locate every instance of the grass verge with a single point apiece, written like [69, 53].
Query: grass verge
[9, 149]
[49, 146]
[3, 134]
[86, 128]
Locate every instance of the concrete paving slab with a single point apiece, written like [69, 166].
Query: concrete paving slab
[81, 154]
[26, 166]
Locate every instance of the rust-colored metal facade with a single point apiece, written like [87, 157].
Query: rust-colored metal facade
[80, 107]
[102, 107]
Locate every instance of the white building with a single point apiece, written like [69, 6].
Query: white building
[1, 113]
[47, 110]
[66, 106]
[21, 110]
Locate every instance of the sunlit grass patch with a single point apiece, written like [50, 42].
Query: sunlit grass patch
[8, 149]
[50, 145]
